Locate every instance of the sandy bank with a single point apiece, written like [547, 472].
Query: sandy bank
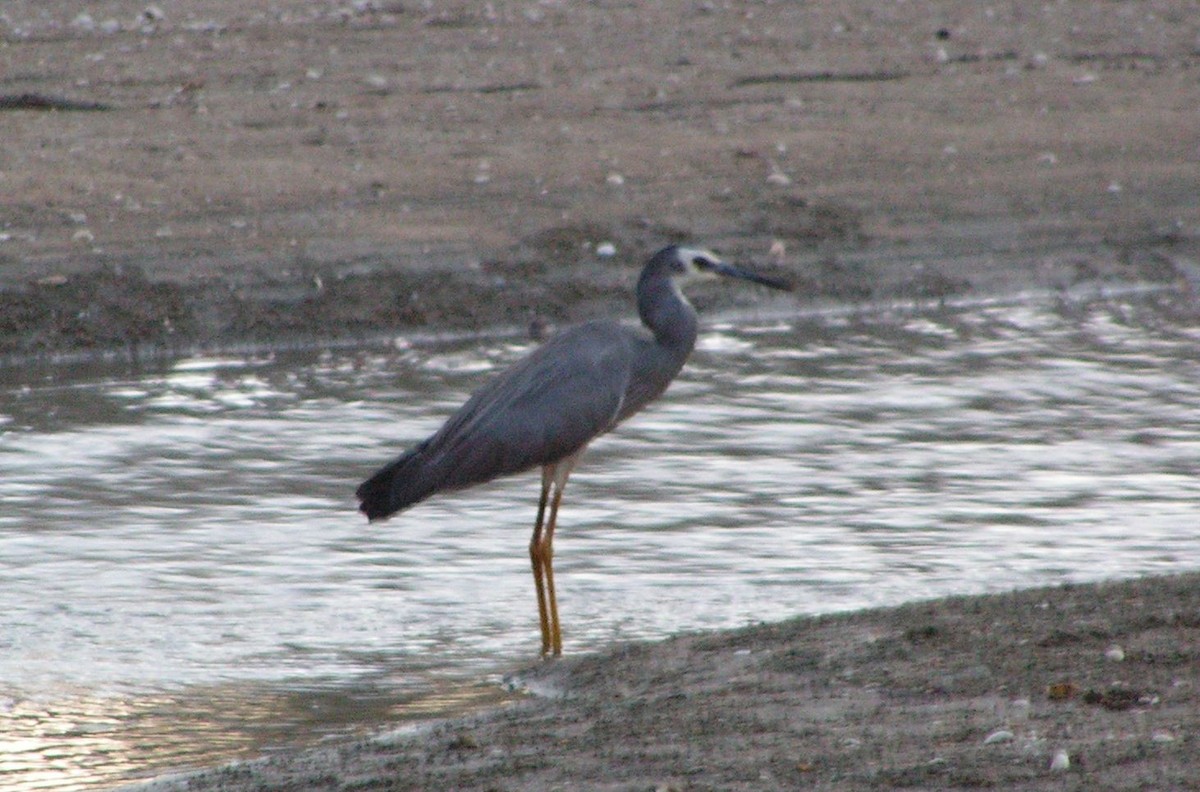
[965, 692]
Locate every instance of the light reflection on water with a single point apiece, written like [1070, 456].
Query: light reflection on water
[184, 576]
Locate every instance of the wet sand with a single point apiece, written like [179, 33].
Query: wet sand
[262, 173]
[966, 692]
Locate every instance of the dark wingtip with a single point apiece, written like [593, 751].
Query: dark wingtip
[374, 495]
[394, 487]
[375, 503]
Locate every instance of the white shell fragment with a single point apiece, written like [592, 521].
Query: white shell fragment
[1060, 762]
[999, 736]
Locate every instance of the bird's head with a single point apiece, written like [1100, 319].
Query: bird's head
[687, 264]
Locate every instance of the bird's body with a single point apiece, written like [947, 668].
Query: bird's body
[505, 429]
[544, 409]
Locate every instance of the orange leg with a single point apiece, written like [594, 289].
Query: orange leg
[541, 551]
[552, 599]
[535, 557]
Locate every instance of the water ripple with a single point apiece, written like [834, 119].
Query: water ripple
[186, 534]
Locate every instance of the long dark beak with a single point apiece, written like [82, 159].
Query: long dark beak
[730, 271]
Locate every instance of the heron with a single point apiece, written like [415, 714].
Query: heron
[546, 408]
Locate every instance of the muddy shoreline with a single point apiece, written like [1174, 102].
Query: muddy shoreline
[966, 692]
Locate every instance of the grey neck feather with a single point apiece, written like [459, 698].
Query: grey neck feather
[666, 312]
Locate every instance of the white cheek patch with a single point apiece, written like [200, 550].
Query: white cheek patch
[687, 255]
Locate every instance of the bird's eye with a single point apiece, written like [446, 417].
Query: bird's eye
[701, 263]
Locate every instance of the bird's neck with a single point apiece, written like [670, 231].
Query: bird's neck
[667, 313]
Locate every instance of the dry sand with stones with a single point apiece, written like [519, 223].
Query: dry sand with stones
[211, 174]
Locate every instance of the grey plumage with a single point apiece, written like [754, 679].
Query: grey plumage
[543, 410]
[507, 427]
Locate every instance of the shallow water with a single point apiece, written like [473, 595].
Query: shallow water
[183, 576]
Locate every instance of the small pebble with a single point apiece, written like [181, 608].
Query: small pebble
[376, 82]
[606, 249]
[1115, 653]
[615, 179]
[1061, 691]
[1060, 762]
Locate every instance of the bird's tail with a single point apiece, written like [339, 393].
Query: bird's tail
[395, 486]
